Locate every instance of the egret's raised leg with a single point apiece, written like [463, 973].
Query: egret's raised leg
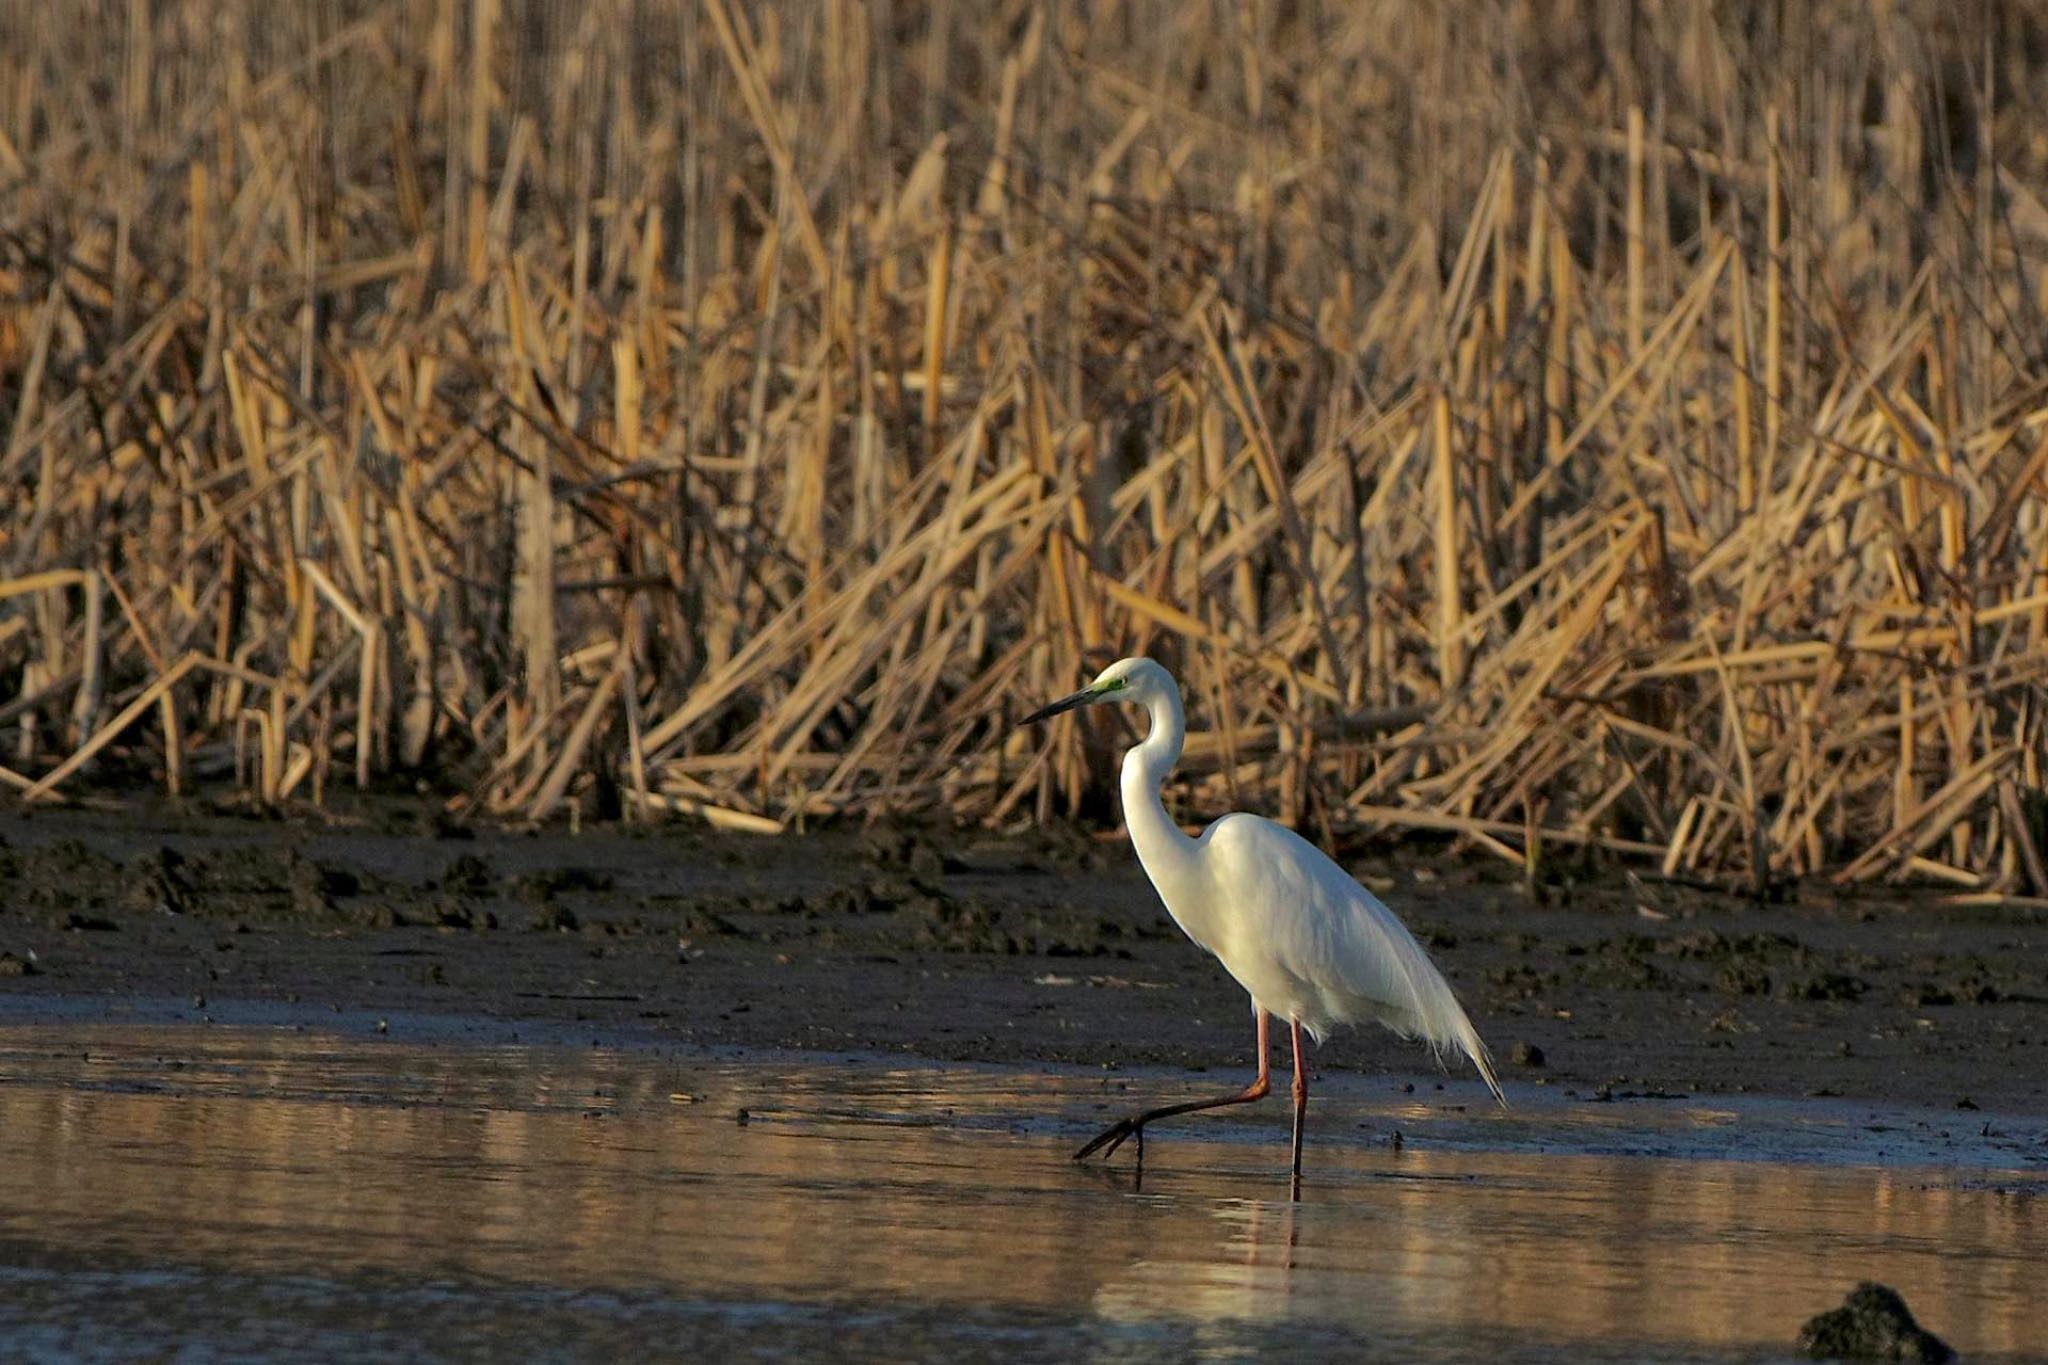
[1112, 1137]
[1300, 1109]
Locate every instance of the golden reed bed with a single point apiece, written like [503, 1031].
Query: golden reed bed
[1555, 424]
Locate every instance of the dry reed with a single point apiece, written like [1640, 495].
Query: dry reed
[1609, 425]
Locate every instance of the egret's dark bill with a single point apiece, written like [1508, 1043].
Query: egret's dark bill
[1063, 704]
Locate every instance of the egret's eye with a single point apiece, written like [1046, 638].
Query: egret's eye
[1116, 685]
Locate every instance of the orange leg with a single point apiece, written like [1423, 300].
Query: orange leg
[1112, 1137]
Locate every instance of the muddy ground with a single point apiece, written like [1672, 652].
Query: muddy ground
[1033, 949]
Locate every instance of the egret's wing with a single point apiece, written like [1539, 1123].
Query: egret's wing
[1324, 928]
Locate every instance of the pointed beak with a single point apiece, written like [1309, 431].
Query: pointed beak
[1081, 698]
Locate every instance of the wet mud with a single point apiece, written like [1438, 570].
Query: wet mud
[1039, 948]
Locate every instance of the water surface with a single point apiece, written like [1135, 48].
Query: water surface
[203, 1193]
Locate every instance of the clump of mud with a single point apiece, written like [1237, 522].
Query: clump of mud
[161, 885]
[410, 820]
[260, 882]
[58, 879]
[892, 909]
[1830, 986]
[541, 887]
[451, 900]
[72, 886]
[1520, 981]
[954, 926]
[908, 850]
[468, 875]
[453, 912]
[1873, 1323]
[1063, 848]
[556, 919]
[1969, 990]
[312, 889]
[1952, 980]
[1742, 978]
[935, 916]
[1739, 964]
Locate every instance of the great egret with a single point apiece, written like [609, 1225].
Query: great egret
[1294, 929]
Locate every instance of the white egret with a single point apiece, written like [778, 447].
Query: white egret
[1294, 929]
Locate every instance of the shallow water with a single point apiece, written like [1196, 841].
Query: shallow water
[208, 1193]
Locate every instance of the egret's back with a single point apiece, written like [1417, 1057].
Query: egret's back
[1309, 943]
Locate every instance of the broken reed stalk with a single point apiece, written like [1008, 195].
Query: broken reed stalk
[744, 417]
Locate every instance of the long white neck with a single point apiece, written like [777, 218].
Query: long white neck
[1166, 853]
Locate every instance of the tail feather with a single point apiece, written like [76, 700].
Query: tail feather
[1475, 1048]
[1428, 1008]
[1439, 1020]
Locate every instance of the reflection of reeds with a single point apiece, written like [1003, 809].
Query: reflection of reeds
[1513, 424]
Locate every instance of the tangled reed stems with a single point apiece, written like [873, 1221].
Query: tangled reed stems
[1603, 425]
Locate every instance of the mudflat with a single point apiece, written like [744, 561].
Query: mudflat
[1041, 948]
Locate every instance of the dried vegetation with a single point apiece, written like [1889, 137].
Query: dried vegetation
[1557, 424]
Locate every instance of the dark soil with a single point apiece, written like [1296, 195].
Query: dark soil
[1048, 947]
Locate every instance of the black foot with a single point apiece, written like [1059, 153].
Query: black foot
[1113, 1137]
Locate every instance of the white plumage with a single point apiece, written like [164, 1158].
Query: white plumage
[1315, 946]
[1310, 945]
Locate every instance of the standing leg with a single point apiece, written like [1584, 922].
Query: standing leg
[1112, 1137]
[1300, 1110]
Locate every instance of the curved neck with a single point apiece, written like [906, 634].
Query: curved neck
[1158, 841]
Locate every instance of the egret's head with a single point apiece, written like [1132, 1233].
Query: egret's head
[1135, 680]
